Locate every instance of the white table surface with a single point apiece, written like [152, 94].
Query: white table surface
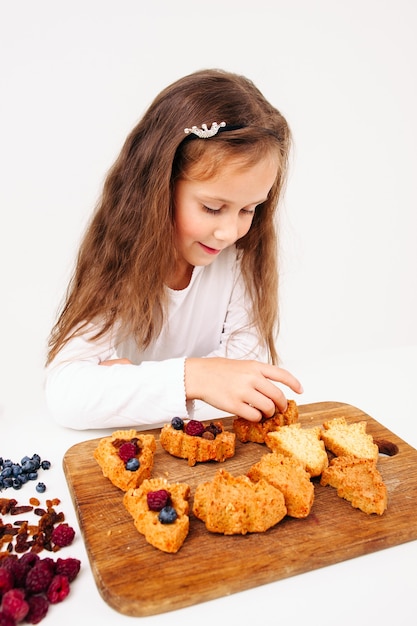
[377, 588]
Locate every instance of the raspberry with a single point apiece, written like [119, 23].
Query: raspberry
[49, 563]
[194, 428]
[14, 604]
[68, 567]
[8, 563]
[158, 499]
[29, 559]
[39, 578]
[58, 589]
[38, 608]
[6, 580]
[128, 450]
[18, 569]
[6, 620]
[62, 535]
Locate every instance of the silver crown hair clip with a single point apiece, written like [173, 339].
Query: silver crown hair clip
[204, 132]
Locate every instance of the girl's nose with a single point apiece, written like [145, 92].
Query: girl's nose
[227, 230]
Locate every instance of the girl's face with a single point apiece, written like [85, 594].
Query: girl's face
[212, 214]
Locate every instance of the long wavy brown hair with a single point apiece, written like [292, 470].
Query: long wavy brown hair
[128, 250]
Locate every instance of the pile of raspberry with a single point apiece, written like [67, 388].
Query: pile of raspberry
[30, 584]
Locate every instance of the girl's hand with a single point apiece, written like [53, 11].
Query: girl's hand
[239, 387]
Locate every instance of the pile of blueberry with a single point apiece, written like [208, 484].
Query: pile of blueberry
[15, 475]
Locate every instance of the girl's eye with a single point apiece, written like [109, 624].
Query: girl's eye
[208, 210]
[248, 211]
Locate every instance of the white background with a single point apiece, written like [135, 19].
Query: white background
[76, 76]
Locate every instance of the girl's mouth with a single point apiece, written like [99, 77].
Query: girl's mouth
[209, 250]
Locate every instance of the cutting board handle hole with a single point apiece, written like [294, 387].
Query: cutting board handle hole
[386, 448]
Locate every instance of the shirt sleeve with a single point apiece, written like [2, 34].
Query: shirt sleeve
[81, 394]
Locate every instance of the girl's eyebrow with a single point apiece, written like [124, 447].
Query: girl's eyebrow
[227, 202]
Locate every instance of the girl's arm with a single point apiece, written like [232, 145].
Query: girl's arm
[82, 395]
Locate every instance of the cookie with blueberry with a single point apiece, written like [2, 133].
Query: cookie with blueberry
[197, 442]
[126, 457]
[160, 512]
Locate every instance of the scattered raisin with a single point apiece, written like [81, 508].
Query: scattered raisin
[18, 510]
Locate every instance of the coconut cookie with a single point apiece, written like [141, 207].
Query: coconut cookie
[345, 439]
[304, 444]
[126, 457]
[236, 505]
[358, 481]
[289, 476]
[257, 431]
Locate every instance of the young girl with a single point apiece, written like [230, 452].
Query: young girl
[172, 308]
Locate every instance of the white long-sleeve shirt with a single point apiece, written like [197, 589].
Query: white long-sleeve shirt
[210, 317]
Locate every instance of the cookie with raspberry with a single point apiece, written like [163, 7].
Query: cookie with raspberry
[197, 442]
[166, 526]
[126, 457]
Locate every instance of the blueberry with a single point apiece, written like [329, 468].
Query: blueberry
[167, 515]
[16, 484]
[40, 487]
[33, 475]
[132, 464]
[36, 460]
[177, 423]
[16, 469]
[6, 472]
[28, 466]
[45, 465]
[7, 482]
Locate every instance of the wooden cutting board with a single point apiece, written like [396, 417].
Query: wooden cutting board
[137, 579]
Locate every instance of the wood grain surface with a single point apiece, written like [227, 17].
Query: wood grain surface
[137, 579]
